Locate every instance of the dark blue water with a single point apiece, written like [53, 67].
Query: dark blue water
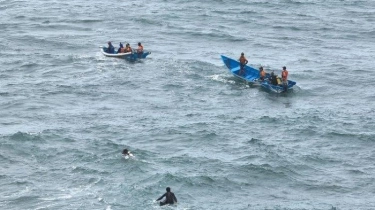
[66, 111]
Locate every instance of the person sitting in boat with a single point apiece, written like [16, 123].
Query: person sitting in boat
[278, 79]
[273, 78]
[243, 62]
[121, 49]
[128, 48]
[262, 73]
[110, 48]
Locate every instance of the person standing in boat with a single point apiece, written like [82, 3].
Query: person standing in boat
[170, 198]
[262, 73]
[140, 50]
[284, 77]
[243, 62]
[110, 48]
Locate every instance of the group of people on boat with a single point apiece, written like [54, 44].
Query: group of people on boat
[110, 49]
[273, 78]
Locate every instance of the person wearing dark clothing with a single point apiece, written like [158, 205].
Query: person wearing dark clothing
[126, 153]
[121, 49]
[273, 79]
[170, 198]
[110, 48]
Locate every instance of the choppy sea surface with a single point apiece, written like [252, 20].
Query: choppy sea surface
[67, 112]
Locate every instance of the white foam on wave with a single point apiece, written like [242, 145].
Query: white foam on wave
[221, 78]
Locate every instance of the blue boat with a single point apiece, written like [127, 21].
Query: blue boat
[131, 56]
[252, 76]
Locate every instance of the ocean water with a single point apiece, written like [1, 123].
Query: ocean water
[66, 111]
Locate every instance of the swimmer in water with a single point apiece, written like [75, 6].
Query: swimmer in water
[127, 153]
[170, 198]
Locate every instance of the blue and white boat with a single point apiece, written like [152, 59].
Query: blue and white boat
[252, 76]
[131, 56]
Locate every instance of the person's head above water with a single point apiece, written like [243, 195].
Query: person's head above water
[125, 152]
[284, 67]
[242, 54]
[139, 44]
[168, 189]
[121, 45]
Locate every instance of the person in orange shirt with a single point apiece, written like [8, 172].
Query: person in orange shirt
[243, 62]
[262, 73]
[140, 50]
[284, 75]
[128, 48]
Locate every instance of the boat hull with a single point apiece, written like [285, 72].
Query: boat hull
[132, 56]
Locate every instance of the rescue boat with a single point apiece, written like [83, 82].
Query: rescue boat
[252, 76]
